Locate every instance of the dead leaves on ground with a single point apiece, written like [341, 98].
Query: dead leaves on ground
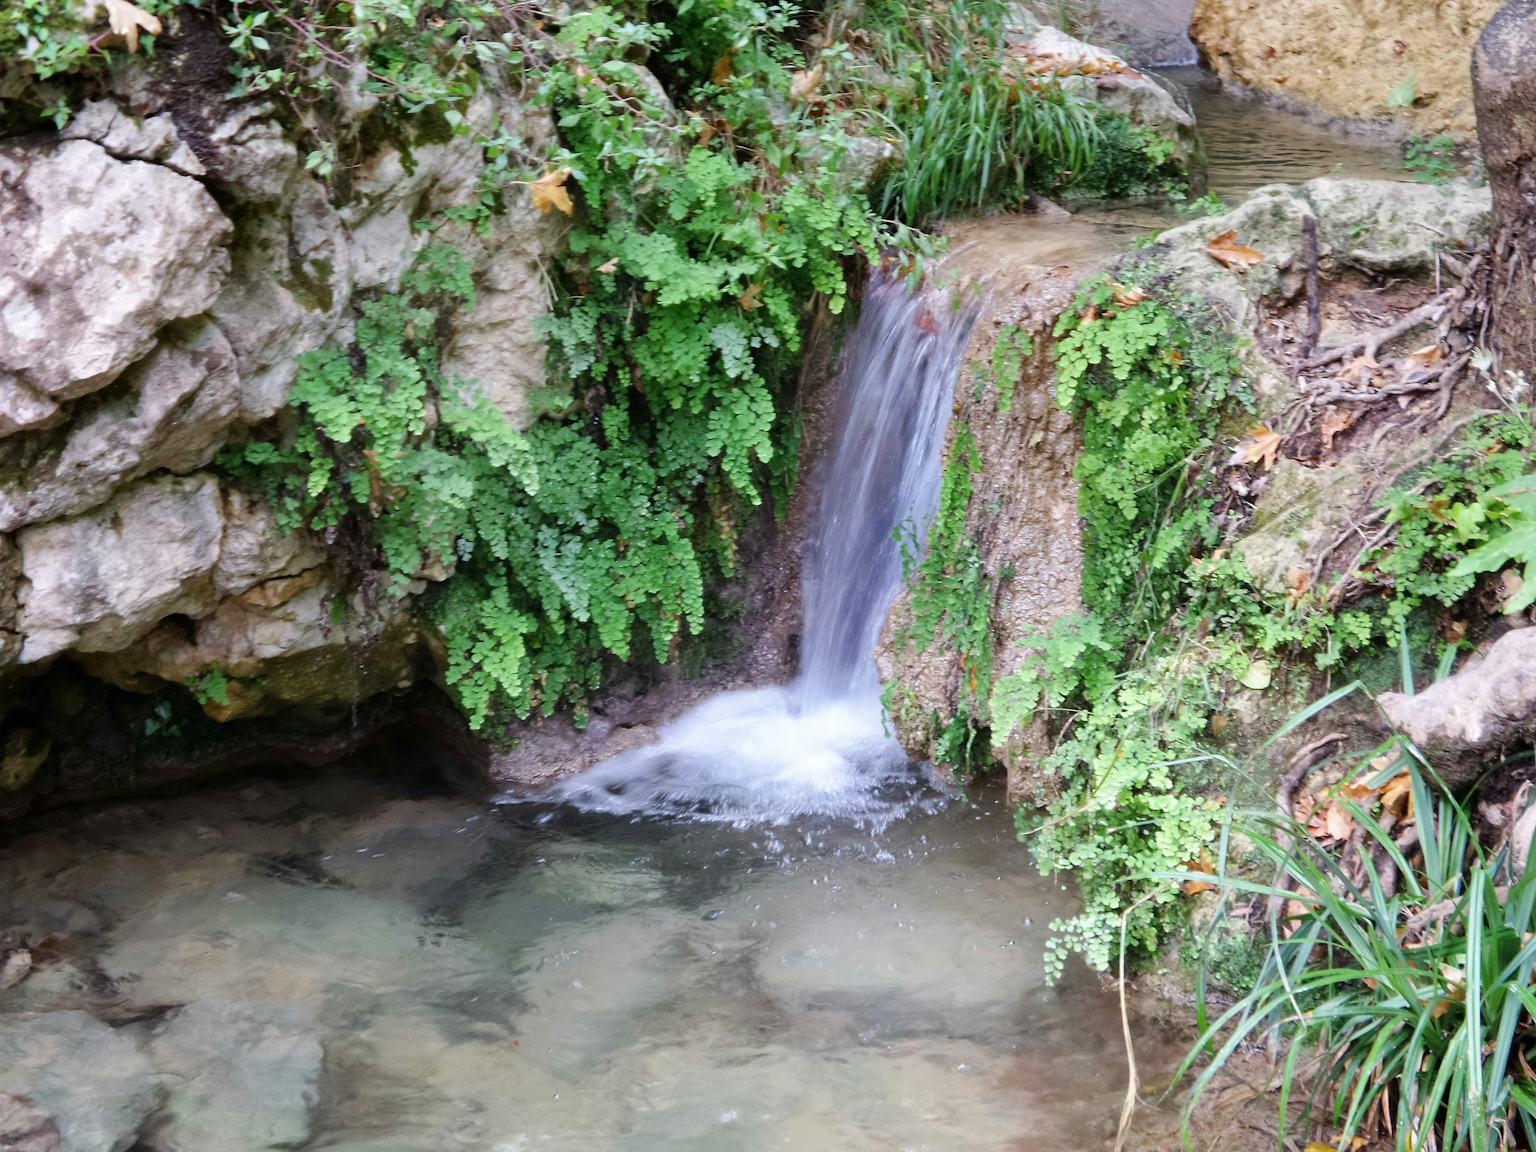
[1263, 448]
[1227, 252]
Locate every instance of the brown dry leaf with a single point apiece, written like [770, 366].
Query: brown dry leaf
[803, 85]
[1265, 448]
[1339, 823]
[1427, 356]
[1128, 297]
[706, 134]
[1457, 979]
[1206, 866]
[609, 268]
[1299, 580]
[1335, 421]
[1397, 795]
[1219, 723]
[1360, 366]
[549, 192]
[127, 20]
[1227, 252]
[749, 299]
[1318, 1146]
[725, 68]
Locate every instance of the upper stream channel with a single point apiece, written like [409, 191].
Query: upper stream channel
[769, 931]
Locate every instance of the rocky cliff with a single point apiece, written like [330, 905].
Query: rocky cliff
[165, 260]
[1403, 64]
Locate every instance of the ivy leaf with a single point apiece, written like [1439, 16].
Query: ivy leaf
[1227, 252]
[126, 20]
[549, 192]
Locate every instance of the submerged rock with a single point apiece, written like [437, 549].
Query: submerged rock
[95, 1082]
[240, 1076]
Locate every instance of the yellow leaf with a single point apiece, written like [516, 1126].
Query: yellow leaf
[126, 20]
[749, 299]
[1265, 447]
[1427, 356]
[549, 192]
[1227, 252]
[1360, 366]
[1319, 1147]
[803, 85]
[1300, 581]
[1128, 297]
[1397, 795]
[1205, 866]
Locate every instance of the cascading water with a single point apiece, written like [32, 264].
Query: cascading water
[820, 746]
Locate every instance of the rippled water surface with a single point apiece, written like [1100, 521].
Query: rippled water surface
[516, 978]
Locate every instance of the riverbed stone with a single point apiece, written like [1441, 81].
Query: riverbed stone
[240, 1076]
[96, 254]
[24, 1127]
[99, 581]
[94, 1081]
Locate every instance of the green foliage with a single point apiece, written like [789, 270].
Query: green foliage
[1456, 508]
[952, 598]
[1005, 366]
[211, 687]
[1131, 163]
[1431, 159]
[973, 128]
[1404, 94]
[1410, 999]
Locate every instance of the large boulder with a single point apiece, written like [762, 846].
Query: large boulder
[96, 255]
[99, 581]
[1397, 62]
[94, 1082]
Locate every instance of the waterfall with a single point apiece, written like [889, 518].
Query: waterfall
[820, 746]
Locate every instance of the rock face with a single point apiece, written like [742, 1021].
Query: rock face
[164, 262]
[94, 1082]
[1463, 722]
[1023, 511]
[1346, 58]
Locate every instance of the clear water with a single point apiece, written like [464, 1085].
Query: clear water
[520, 978]
[820, 746]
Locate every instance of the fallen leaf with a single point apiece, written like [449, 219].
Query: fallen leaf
[1397, 795]
[1206, 867]
[1427, 356]
[1227, 252]
[803, 85]
[1265, 447]
[610, 267]
[749, 299]
[1128, 297]
[706, 134]
[1259, 676]
[1360, 366]
[725, 68]
[1337, 822]
[1219, 723]
[549, 192]
[126, 20]
[1299, 580]
[1335, 421]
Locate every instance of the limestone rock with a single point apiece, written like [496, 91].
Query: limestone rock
[94, 1082]
[24, 1127]
[255, 549]
[1345, 58]
[173, 410]
[1466, 720]
[127, 137]
[101, 580]
[1384, 226]
[1149, 33]
[1109, 81]
[241, 1076]
[96, 254]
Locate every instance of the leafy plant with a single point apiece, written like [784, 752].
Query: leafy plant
[1404, 94]
[1400, 990]
[1432, 159]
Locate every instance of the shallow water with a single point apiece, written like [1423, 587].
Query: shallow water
[516, 978]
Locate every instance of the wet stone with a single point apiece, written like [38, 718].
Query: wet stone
[94, 1082]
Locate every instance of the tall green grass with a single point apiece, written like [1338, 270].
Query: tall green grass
[1399, 1011]
[972, 129]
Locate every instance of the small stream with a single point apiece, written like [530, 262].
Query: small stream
[767, 932]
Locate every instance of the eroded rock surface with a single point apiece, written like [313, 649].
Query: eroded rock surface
[1347, 58]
